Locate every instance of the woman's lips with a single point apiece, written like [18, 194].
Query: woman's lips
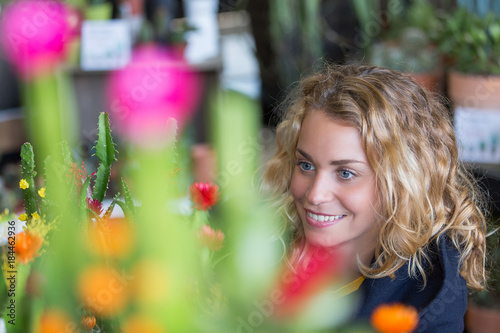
[322, 221]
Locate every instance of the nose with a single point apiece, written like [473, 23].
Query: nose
[320, 191]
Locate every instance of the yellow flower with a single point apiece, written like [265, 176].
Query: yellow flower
[23, 217]
[35, 215]
[23, 184]
[41, 192]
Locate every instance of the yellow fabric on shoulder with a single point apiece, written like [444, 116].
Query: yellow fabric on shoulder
[350, 287]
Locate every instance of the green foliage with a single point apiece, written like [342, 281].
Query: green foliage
[472, 42]
[412, 52]
[128, 206]
[68, 168]
[29, 173]
[296, 37]
[59, 172]
[105, 151]
[109, 211]
[84, 211]
[419, 14]
[490, 297]
[406, 37]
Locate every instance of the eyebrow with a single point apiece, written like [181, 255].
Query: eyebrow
[337, 162]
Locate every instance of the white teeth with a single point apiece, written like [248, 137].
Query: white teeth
[323, 218]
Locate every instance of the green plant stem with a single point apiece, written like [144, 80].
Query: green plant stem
[28, 174]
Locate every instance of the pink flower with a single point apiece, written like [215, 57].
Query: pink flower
[155, 87]
[204, 195]
[211, 238]
[95, 206]
[34, 35]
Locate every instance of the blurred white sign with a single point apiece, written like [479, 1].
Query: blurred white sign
[105, 45]
[203, 42]
[478, 134]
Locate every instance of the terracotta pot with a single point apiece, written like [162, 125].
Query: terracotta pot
[432, 81]
[481, 319]
[474, 91]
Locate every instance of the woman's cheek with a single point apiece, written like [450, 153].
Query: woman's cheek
[298, 185]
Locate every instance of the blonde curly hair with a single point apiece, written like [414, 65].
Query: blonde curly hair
[409, 140]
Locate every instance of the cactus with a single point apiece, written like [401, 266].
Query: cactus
[29, 173]
[105, 151]
[84, 210]
[109, 211]
[129, 202]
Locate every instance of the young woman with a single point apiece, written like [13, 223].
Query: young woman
[367, 164]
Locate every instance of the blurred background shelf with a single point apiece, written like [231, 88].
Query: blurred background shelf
[12, 134]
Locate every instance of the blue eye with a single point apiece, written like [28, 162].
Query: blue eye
[346, 174]
[304, 166]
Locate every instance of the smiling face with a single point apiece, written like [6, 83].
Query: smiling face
[334, 187]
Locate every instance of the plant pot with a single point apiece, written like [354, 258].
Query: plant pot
[432, 80]
[476, 107]
[482, 319]
[474, 91]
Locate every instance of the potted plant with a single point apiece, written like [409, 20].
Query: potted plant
[470, 41]
[483, 312]
[406, 39]
[411, 53]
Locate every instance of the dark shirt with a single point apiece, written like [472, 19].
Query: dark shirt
[441, 304]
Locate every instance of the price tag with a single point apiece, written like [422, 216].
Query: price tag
[105, 45]
[478, 134]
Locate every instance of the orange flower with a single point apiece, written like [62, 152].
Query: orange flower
[394, 318]
[87, 323]
[55, 321]
[27, 246]
[211, 238]
[104, 290]
[204, 195]
[141, 324]
[115, 238]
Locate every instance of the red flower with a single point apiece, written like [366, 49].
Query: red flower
[316, 272]
[211, 238]
[204, 195]
[95, 206]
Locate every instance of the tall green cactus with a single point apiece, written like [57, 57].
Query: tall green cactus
[84, 210]
[105, 151]
[128, 207]
[29, 173]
